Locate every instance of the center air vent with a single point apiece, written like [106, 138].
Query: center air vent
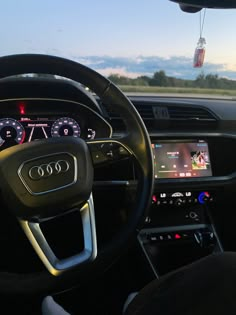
[145, 110]
[166, 116]
[174, 112]
[190, 113]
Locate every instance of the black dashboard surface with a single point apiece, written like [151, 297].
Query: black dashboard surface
[43, 108]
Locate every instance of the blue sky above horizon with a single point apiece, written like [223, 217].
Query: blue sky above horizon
[126, 37]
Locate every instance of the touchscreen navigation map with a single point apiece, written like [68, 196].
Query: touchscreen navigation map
[181, 160]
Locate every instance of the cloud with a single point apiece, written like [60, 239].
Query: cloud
[177, 66]
[119, 71]
[231, 67]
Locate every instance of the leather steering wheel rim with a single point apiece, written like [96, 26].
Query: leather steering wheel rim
[136, 139]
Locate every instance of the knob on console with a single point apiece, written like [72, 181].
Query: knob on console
[193, 215]
[204, 197]
[178, 202]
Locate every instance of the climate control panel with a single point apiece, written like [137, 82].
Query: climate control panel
[182, 198]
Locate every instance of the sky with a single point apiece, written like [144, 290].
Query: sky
[130, 37]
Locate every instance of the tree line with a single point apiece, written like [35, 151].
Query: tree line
[159, 78]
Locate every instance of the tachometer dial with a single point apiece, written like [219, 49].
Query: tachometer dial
[64, 127]
[11, 132]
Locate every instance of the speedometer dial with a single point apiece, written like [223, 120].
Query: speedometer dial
[64, 127]
[11, 132]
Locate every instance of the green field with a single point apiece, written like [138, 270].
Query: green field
[172, 90]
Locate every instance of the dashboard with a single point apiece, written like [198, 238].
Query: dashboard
[193, 142]
[190, 129]
[26, 120]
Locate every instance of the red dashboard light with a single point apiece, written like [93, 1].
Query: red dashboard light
[177, 237]
[21, 106]
[154, 199]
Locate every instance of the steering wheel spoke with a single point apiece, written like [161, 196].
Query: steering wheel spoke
[108, 150]
[40, 244]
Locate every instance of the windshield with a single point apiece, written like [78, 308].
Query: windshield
[143, 46]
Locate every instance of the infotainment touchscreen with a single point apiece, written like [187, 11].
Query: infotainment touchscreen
[181, 159]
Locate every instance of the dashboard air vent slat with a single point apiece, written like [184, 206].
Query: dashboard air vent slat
[145, 110]
[165, 116]
[189, 113]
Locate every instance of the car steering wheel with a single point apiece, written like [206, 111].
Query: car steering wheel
[33, 200]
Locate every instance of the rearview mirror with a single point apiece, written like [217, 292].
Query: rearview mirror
[193, 6]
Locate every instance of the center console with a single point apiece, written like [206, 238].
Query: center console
[179, 229]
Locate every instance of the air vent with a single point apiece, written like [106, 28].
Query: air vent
[110, 110]
[190, 113]
[165, 116]
[145, 110]
[174, 112]
[117, 123]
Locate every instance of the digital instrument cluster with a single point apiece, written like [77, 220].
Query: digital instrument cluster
[27, 129]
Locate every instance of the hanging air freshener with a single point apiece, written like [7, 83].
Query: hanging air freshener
[200, 51]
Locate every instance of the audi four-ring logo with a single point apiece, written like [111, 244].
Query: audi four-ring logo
[45, 170]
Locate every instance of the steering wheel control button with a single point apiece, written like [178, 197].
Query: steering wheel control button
[114, 151]
[98, 157]
[49, 173]
[107, 151]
